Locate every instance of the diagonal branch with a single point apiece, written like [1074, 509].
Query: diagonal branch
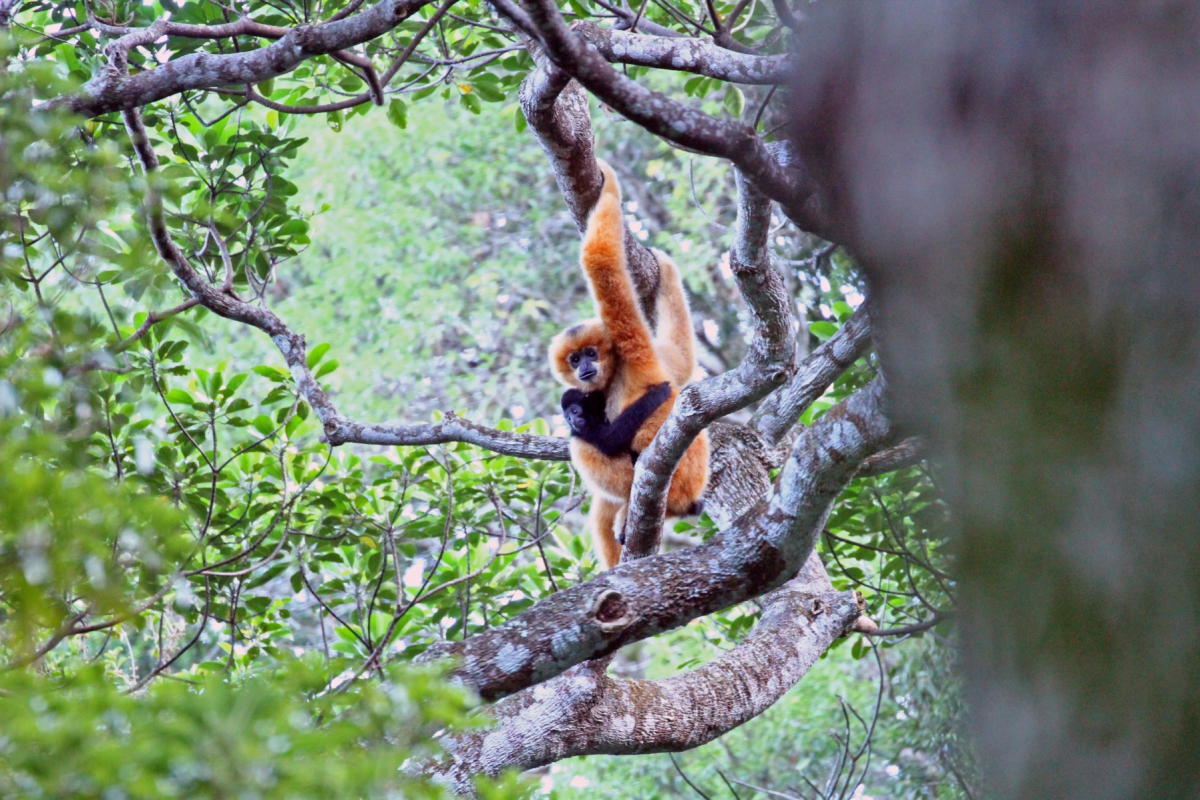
[767, 365]
[557, 111]
[781, 410]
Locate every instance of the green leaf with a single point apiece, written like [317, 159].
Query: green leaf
[489, 94]
[735, 101]
[823, 329]
[180, 396]
[397, 113]
[519, 121]
[334, 120]
[470, 101]
[272, 373]
[317, 353]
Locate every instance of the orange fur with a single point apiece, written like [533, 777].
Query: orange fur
[631, 359]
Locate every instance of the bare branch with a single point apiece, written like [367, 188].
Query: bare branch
[676, 122]
[768, 364]
[113, 89]
[905, 454]
[684, 55]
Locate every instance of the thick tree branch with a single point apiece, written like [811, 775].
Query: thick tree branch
[584, 711]
[338, 430]
[766, 547]
[113, 89]
[684, 54]
[908, 452]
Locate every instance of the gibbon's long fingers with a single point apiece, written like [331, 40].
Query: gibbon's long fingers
[604, 537]
[603, 259]
[675, 339]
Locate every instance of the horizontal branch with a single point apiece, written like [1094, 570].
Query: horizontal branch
[683, 54]
[638, 599]
[452, 428]
[584, 711]
[113, 89]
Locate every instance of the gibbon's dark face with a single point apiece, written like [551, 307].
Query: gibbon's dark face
[585, 363]
[584, 412]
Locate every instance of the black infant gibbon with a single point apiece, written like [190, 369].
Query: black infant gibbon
[619, 355]
[585, 415]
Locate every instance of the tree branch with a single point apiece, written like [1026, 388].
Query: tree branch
[113, 89]
[557, 111]
[676, 122]
[584, 711]
[905, 454]
[684, 55]
[768, 364]
[781, 410]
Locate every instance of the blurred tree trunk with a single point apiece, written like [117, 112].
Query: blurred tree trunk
[1022, 182]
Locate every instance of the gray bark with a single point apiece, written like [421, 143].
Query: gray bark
[684, 54]
[585, 711]
[114, 89]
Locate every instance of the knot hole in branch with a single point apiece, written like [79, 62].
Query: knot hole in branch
[611, 611]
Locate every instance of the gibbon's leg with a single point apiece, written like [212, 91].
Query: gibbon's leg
[690, 478]
[604, 537]
[674, 338]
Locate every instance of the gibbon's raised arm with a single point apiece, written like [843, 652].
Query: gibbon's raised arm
[603, 259]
